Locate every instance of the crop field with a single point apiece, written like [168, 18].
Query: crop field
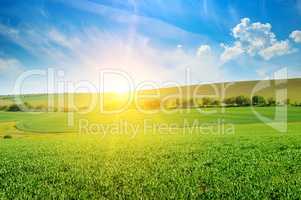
[43, 157]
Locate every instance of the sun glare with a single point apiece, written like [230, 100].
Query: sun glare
[120, 89]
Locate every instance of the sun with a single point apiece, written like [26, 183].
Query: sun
[120, 89]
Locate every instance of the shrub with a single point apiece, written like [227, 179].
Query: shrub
[296, 104]
[242, 101]
[14, 108]
[206, 101]
[258, 101]
[231, 101]
[271, 101]
[7, 137]
[215, 103]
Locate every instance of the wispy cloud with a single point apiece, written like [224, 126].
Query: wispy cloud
[83, 53]
[10, 67]
[231, 52]
[33, 39]
[204, 50]
[155, 27]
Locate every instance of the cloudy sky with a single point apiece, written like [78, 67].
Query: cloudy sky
[157, 40]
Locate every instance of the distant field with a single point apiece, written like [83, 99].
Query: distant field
[58, 122]
[244, 88]
[47, 158]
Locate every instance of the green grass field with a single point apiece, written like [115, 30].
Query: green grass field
[47, 159]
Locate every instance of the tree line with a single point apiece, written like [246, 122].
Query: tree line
[28, 107]
[238, 101]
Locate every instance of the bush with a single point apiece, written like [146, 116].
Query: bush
[7, 137]
[271, 101]
[206, 101]
[215, 103]
[258, 101]
[242, 101]
[14, 108]
[230, 101]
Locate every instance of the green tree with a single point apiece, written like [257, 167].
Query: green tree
[14, 108]
[206, 101]
[258, 101]
[271, 101]
[242, 101]
[230, 101]
[215, 103]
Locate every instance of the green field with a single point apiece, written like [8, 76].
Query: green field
[47, 159]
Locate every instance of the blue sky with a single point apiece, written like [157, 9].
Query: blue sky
[156, 40]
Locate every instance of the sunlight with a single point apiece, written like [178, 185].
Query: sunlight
[120, 89]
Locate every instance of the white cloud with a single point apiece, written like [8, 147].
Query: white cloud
[10, 66]
[255, 39]
[255, 36]
[277, 49]
[203, 50]
[296, 36]
[231, 52]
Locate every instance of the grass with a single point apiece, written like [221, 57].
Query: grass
[47, 159]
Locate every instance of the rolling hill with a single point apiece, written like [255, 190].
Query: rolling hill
[265, 88]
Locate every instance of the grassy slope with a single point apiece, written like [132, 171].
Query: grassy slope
[240, 88]
[237, 88]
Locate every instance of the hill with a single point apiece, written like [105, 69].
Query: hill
[265, 88]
